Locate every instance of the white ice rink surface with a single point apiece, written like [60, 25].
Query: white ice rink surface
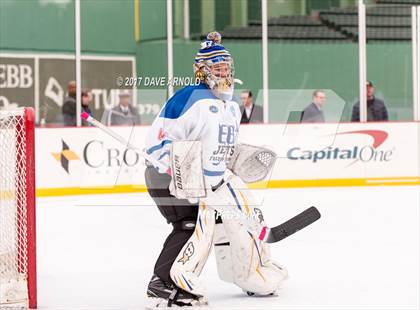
[98, 252]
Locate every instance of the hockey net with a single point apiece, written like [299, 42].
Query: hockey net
[17, 209]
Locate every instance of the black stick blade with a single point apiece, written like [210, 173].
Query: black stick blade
[293, 225]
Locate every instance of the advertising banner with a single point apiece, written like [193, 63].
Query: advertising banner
[85, 160]
[40, 81]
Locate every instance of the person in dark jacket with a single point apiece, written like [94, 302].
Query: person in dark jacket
[313, 113]
[251, 113]
[86, 97]
[376, 109]
[124, 114]
[69, 106]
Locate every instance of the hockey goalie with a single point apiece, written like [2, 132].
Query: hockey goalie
[206, 199]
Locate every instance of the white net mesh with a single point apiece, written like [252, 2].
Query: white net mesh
[13, 213]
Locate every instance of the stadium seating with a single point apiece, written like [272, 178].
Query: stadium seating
[410, 2]
[285, 33]
[387, 20]
[381, 34]
[287, 28]
[291, 21]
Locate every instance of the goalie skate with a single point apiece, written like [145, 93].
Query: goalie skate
[162, 304]
[260, 295]
[165, 295]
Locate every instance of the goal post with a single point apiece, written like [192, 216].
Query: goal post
[17, 209]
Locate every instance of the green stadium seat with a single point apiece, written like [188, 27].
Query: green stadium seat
[387, 20]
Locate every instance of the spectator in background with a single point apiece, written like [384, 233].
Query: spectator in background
[69, 105]
[251, 113]
[124, 114]
[313, 113]
[86, 98]
[376, 109]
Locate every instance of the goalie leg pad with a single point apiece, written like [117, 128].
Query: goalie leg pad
[241, 258]
[223, 252]
[246, 262]
[230, 201]
[189, 263]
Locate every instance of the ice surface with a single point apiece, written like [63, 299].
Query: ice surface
[98, 252]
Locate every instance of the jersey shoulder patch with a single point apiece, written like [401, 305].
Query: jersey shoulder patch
[234, 107]
[184, 99]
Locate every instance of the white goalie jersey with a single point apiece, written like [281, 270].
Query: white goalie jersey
[194, 113]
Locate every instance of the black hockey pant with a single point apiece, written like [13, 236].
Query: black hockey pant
[177, 212]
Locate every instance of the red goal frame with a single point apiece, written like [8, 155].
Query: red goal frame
[31, 196]
[28, 124]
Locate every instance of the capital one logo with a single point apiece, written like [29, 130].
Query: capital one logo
[379, 136]
[363, 153]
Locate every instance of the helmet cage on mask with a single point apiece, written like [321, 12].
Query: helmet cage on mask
[214, 66]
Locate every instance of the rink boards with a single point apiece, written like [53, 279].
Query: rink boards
[74, 161]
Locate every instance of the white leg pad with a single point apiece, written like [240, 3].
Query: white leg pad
[189, 263]
[243, 259]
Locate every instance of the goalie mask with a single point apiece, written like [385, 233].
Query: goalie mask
[214, 66]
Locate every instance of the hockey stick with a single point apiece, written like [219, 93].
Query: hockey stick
[122, 140]
[293, 225]
[264, 233]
